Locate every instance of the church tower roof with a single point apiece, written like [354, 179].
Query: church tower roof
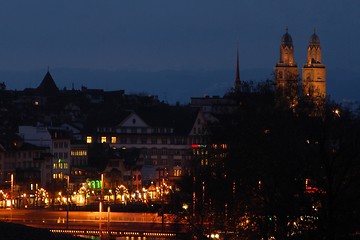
[47, 86]
[287, 50]
[314, 40]
[314, 49]
[286, 39]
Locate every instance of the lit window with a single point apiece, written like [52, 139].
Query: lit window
[113, 139]
[88, 139]
[177, 172]
[103, 139]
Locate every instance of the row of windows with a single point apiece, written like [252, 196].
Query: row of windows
[134, 140]
[177, 172]
[155, 162]
[61, 155]
[58, 175]
[78, 153]
[199, 130]
[28, 164]
[78, 172]
[204, 162]
[61, 144]
[78, 162]
[177, 162]
[157, 152]
[200, 151]
[219, 146]
[60, 165]
[23, 155]
[142, 130]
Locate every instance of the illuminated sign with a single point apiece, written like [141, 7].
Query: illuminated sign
[94, 184]
[196, 146]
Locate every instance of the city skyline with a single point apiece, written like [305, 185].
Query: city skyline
[151, 46]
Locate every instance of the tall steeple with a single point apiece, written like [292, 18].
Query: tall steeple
[314, 72]
[287, 49]
[286, 72]
[237, 84]
[314, 49]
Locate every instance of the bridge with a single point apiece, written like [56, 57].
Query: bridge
[117, 234]
[107, 225]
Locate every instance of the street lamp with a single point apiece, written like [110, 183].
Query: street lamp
[12, 188]
[67, 200]
[100, 202]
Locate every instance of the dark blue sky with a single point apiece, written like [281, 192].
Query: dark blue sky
[160, 35]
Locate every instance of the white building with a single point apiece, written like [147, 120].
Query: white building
[57, 140]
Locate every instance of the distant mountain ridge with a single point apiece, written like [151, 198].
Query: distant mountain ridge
[170, 85]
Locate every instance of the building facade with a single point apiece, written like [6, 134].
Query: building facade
[314, 72]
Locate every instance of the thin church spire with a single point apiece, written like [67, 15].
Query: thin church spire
[237, 78]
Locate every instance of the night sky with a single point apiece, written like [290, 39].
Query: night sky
[174, 49]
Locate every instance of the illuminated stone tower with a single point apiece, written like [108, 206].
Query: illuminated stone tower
[314, 72]
[286, 72]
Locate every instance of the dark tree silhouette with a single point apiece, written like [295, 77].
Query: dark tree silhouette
[275, 171]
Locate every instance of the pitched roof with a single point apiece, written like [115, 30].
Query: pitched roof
[181, 119]
[47, 86]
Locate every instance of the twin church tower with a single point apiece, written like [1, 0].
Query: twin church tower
[313, 72]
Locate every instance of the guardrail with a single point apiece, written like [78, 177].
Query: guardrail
[114, 234]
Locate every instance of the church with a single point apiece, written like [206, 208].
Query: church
[313, 83]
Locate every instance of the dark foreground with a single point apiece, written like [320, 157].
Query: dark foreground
[12, 231]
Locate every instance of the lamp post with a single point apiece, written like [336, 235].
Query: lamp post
[12, 188]
[11, 193]
[67, 200]
[100, 203]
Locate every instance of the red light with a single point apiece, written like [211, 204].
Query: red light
[195, 146]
